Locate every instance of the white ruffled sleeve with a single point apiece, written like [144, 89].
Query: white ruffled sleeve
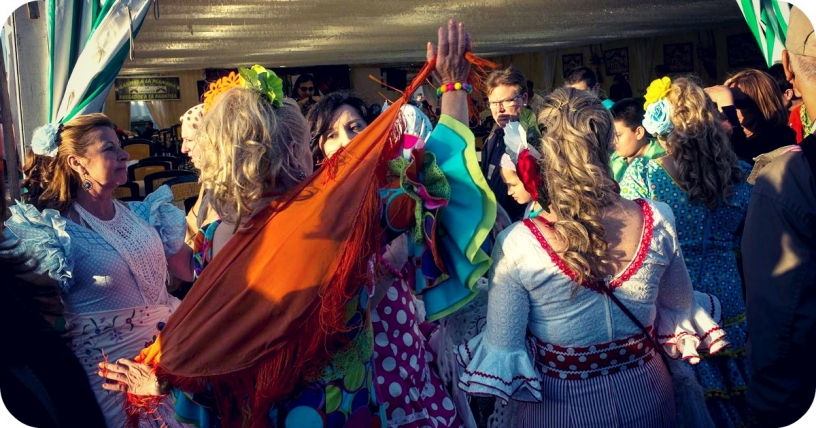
[685, 320]
[499, 361]
[168, 220]
[43, 238]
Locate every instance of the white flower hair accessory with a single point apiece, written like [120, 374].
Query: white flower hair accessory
[44, 141]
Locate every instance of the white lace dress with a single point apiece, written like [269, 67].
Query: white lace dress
[576, 360]
[113, 278]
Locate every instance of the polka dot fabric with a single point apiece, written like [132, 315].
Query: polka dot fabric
[411, 391]
[710, 242]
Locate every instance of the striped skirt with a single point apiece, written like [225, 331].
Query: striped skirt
[639, 397]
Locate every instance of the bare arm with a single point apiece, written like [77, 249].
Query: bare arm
[181, 264]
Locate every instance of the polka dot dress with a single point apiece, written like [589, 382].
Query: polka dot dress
[710, 240]
[411, 391]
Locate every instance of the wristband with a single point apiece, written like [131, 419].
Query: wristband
[450, 87]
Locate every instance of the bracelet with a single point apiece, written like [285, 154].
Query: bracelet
[450, 87]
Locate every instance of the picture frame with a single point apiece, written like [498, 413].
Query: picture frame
[678, 57]
[570, 62]
[616, 61]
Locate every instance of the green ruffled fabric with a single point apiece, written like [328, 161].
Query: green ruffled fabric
[431, 177]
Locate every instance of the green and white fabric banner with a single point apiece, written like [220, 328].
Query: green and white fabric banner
[768, 20]
[89, 40]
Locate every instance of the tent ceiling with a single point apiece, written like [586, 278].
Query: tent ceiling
[192, 34]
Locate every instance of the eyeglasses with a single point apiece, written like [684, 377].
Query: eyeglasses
[510, 102]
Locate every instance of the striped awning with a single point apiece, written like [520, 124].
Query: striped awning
[768, 20]
[89, 41]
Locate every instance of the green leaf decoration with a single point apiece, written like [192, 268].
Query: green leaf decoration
[265, 81]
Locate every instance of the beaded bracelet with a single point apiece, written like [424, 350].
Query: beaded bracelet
[450, 87]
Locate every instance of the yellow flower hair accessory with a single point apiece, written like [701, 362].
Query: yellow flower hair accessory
[256, 78]
[657, 91]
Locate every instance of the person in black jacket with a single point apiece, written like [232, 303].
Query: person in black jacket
[779, 253]
[41, 382]
[506, 90]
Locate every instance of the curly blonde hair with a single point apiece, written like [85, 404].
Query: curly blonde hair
[707, 167]
[577, 142]
[250, 150]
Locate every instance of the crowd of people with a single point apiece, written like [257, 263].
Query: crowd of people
[643, 262]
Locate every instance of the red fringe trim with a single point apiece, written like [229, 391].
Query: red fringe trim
[244, 397]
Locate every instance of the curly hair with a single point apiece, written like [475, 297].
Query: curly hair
[707, 167]
[250, 150]
[49, 181]
[576, 148]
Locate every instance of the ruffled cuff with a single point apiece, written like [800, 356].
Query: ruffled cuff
[44, 240]
[507, 374]
[683, 335]
[168, 220]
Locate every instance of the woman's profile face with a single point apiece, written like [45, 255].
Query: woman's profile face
[345, 125]
[105, 161]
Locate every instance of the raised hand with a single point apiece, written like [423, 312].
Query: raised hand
[453, 41]
[452, 67]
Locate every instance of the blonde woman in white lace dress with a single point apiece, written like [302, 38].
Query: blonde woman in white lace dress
[556, 341]
[111, 258]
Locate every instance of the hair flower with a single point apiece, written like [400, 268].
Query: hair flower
[657, 90]
[657, 120]
[528, 173]
[265, 81]
[44, 140]
[257, 78]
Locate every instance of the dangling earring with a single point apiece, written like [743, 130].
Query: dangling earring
[86, 184]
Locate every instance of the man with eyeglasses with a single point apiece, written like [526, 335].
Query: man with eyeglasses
[506, 90]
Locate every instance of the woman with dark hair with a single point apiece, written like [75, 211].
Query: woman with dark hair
[398, 318]
[305, 92]
[321, 118]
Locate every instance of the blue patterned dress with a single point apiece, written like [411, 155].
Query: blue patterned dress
[710, 240]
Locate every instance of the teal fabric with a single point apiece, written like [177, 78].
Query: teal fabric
[466, 220]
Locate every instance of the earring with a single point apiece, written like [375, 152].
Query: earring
[86, 184]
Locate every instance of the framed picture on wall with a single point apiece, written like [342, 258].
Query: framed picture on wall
[679, 57]
[570, 62]
[616, 61]
[743, 51]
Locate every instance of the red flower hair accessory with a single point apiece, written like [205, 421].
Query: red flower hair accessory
[527, 170]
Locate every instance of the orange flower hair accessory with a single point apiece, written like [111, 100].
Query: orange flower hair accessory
[256, 78]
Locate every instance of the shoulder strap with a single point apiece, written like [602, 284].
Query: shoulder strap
[605, 288]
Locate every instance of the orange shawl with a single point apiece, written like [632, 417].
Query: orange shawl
[270, 308]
